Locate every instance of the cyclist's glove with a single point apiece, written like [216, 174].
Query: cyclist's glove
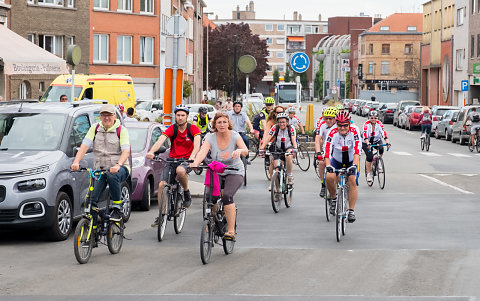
[330, 169]
[320, 156]
[294, 150]
[352, 170]
[261, 152]
[388, 146]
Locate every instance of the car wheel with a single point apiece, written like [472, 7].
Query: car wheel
[127, 203]
[147, 196]
[63, 219]
[448, 136]
[146, 120]
[462, 141]
[436, 135]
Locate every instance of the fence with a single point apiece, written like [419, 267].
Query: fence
[388, 96]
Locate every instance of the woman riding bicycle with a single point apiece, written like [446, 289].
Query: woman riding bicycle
[373, 132]
[225, 146]
[426, 121]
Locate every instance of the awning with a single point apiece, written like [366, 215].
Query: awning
[296, 39]
[20, 56]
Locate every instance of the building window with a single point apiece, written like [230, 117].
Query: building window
[146, 50]
[308, 29]
[269, 54]
[370, 67]
[408, 48]
[472, 46]
[412, 28]
[269, 40]
[474, 7]
[385, 68]
[384, 28]
[280, 54]
[31, 37]
[315, 29]
[124, 49]
[281, 41]
[53, 44]
[460, 16]
[124, 5]
[190, 63]
[385, 48]
[146, 6]
[370, 48]
[100, 48]
[71, 3]
[41, 86]
[269, 68]
[460, 56]
[268, 27]
[238, 16]
[103, 4]
[28, 1]
[281, 68]
[293, 29]
[51, 2]
[70, 41]
[281, 27]
[408, 68]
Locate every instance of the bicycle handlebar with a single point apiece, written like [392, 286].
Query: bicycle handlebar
[384, 144]
[206, 166]
[172, 160]
[279, 153]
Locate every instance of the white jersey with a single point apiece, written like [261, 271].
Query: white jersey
[294, 121]
[377, 132]
[283, 136]
[338, 146]
[323, 132]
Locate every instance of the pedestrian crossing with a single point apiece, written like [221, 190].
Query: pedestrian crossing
[433, 154]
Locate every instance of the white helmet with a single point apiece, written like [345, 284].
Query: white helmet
[282, 115]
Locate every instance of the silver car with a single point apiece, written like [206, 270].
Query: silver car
[38, 142]
[445, 124]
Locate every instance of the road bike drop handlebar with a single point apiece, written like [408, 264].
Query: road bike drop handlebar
[388, 145]
[172, 160]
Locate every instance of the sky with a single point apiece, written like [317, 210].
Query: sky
[310, 9]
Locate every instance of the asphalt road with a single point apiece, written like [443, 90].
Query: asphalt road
[417, 239]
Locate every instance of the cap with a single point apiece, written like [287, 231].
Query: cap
[108, 109]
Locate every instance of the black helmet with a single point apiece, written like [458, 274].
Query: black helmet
[238, 102]
[203, 110]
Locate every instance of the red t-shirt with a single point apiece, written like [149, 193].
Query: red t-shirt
[182, 146]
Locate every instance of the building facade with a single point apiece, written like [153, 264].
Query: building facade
[460, 52]
[474, 52]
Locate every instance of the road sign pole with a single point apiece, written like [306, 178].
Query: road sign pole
[247, 88]
[72, 95]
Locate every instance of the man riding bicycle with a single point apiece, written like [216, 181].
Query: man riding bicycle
[201, 120]
[373, 132]
[285, 141]
[240, 120]
[185, 143]
[111, 150]
[260, 120]
[342, 150]
[474, 116]
[294, 121]
[320, 139]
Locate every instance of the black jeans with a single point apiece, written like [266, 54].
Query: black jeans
[114, 183]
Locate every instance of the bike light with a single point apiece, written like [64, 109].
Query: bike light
[138, 161]
[31, 185]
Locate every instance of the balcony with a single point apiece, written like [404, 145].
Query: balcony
[295, 44]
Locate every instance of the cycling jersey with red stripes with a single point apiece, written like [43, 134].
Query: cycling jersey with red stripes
[376, 132]
[323, 132]
[294, 121]
[320, 121]
[338, 144]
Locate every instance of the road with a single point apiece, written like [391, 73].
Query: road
[415, 240]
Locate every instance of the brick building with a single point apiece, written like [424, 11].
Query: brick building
[474, 53]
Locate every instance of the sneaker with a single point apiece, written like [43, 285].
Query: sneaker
[333, 204]
[156, 222]
[322, 192]
[269, 188]
[249, 162]
[290, 180]
[351, 216]
[187, 198]
[370, 178]
[117, 206]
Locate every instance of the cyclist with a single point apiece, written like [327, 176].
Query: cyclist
[111, 150]
[271, 121]
[342, 150]
[122, 110]
[285, 141]
[185, 143]
[225, 146]
[320, 139]
[201, 120]
[373, 132]
[340, 107]
[425, 121]
[239, 120]
[228, 105]
[474, 116]
[259, 121]
[294, 121]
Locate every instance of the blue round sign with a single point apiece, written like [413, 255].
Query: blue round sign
[299, 62]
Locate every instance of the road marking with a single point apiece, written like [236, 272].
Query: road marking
[459, 155]
[428, 154]
[402, 153]
[446, 184]
[469, 174]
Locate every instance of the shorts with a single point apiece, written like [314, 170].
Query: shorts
[474, 128]
[169, 166]
[338, 165]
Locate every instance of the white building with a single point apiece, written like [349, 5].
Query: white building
[460, 51]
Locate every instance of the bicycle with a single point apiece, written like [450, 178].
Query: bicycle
[171, 204]
[425, 142]
[303, 157]
[253, 145]
[109, 225]
[341, 207]
[198, 171]
[315, 165]
[214, 224]
[476, 142]
[244, 161]
[378, 166]
[278, 184]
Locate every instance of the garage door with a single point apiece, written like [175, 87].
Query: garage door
[144, 91]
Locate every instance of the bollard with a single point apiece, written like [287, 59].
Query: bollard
[309, 120]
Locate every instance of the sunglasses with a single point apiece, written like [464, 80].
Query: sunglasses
[64, 98]
[269, 105]
[343, 125]
[328, 118]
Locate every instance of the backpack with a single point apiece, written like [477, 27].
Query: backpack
[476, 117]
[257, 118]
[175, 132]
[119, 129]
[426, 117]
[277, 129]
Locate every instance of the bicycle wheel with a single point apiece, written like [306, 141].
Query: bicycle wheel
[229, 244]
[252, 149]
[303, 158]
[344, 208]
[115, 234]
[180, 212]
[287, 197]
[327, 205]
[427, 143]
[244, 161]
[266, 164]
[82, 243]
[338, 214]
[206, 242]
[275, 192]
[315, 165]
[422, 143]
[381, 172]
[477, 144]
[163, 213]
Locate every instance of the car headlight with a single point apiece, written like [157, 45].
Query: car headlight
[138, 161]
[36, 170]
[31, 185]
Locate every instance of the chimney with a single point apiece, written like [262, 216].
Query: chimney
[238, 7]
[295, 16]
[252, 6]
[246, 8]
[300, 17]
[319, 17]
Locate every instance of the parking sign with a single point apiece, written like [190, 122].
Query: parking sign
[465, 85]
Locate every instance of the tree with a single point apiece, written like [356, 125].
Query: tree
[187, 89]
[221, 43]
[286, 77]
[318, 81]
[276, 76]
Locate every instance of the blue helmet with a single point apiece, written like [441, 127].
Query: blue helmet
[181, 107]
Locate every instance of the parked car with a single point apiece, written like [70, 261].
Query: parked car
[413, 120]
[355, 106]
[146, 173]
[402, 119]
[371, 106]
[38, 143]
[360, 106]
[149, 110]
[459, 132]
[437, 112]
[400, 106]
[194, 110]
[349, 104]
[386, 111]
[444, 126]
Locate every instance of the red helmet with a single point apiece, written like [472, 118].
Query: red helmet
[343, 117]
[121, 107]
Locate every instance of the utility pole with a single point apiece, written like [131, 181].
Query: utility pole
[206, 80]
[234, 94]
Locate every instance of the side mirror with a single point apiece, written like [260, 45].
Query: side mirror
[161, 150]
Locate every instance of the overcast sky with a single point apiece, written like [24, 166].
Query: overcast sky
[310, 9]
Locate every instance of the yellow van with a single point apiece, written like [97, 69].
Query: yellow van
[115, 88]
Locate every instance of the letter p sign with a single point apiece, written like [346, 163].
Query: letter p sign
[465, 85]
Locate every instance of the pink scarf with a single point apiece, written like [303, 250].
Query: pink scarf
[216, 167]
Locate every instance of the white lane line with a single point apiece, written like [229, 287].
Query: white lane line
[446, 184]
[428, 154]
[459, 155]
[470, 174]
[402, 153]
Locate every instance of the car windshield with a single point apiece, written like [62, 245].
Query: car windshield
[53, 93]
[418, 110]
[287, 93]
[440, 112]
[193, 109]
[31, 131]
[138, 139]
[408, 104]
[144, 105]
[375, 105]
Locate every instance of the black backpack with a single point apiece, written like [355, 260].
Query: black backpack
[277, 129]
[175, 132]
[476, 117]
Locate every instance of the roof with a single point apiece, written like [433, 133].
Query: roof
[140, 124]
[21, 56]
[50, 107]
[82, 79]
[399, 22]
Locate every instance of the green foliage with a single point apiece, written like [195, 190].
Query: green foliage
[345, 51]
[159, 120]
[251, 111]
[318, 81]
[319, 52]
[187, 89]
[276, 76]
[287, 76]
[308, 133]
